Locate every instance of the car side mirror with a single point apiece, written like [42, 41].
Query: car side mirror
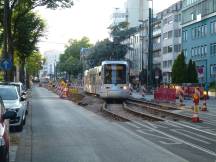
[9, 115]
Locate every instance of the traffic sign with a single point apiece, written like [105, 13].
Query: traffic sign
[6, 64]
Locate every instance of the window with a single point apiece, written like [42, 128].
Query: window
[193, 33]
[165, 36]
[177, 33]
[213, 27]
[184, 35]
[185, 53]
[205, 50]
[169, 34]
[169, 63]
[213, 49]
[169, 49]
[177, 48]
[192, 52]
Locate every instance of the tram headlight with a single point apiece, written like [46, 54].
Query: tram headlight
[125, 87]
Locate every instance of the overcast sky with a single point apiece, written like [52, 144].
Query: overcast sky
[86, 18]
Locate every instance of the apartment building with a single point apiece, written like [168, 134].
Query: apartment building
[198, 36]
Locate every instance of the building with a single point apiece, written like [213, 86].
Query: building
[198, 36]
[137, 10]
[51, 57]
[166, 42]
[170, 39]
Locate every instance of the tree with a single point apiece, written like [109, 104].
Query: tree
[194, 74]
[34, 64]
[15, 10]
[189, 72]
[179, 70]
[28, 31]
[70, 60]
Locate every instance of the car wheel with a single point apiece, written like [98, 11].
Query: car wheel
[6, 159]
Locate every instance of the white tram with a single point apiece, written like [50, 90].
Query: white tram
[110, 80]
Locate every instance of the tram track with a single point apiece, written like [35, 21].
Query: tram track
[131, 110]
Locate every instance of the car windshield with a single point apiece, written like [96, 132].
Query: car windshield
[115, 74]
[8, 93]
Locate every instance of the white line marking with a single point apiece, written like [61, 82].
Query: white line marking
[188, 136]
[200, 130]
[180, 140]
[153, 135]
[173, 125]
[154, 125]
[133, 125]
[198, 135]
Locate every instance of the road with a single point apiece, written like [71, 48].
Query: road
[60, 131]
[64, 132]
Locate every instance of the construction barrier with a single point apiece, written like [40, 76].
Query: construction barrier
[73, 90]
[165, 95]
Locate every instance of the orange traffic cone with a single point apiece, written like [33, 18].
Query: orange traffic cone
[204, 106]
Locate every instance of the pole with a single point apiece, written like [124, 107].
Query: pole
[150, 49]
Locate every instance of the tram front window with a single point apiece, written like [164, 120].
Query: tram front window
[115, 74]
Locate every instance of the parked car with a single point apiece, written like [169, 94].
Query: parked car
[20, 87]
[13, 102]
[4, 129]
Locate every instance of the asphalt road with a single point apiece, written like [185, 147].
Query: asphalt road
[64, 132]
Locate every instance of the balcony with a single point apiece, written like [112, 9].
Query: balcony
[156, 32]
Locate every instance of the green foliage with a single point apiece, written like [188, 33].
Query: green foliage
[70, 59]
[28, 31]
[106, 50]
[189, 72]
[34, 64]
[179, 70]
[194, 74]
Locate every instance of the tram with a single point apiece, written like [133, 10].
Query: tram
[110, 80]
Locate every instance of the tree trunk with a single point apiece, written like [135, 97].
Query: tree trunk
[22, 71]
[10, 46]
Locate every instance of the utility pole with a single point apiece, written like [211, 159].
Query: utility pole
[150, 49]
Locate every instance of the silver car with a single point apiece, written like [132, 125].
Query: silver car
[13, 102]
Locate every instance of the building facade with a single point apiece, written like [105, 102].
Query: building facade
[170, 39]
[137, 10]
[199, 36]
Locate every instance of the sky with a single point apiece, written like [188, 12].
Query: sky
[89, 18]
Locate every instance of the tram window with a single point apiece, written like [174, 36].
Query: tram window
[115, 74]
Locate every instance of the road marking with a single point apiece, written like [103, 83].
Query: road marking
[153, 135]
[200, 130]
[188, 136]
[174, 125]
[198, 135]
[154, 125]
[133, 125]
[180, 140]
